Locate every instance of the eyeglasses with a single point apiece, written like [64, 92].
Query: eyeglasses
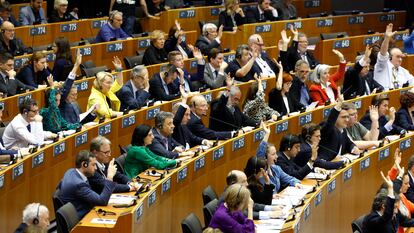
[303, 41]
[106, 152]
[34, 111]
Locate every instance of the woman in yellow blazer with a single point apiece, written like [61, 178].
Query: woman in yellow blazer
[103, 92]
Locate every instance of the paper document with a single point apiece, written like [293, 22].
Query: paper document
[270, 225]
[312, 106]
[293, 191]
[83, 115]
[393, 137]
[103, 221]
[119, 199]
[316, 176]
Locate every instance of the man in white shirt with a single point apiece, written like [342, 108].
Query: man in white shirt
[388, 71]
[26, 128]
[263, 62]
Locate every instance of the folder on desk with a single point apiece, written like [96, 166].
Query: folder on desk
[120, 199]
[316, 176]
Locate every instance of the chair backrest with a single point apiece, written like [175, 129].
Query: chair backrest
[57, 201]
[88, 64]
[357, 224]
[120, 162]
[208, 211]
[90, 72]
[131, 62]
[327, 36]
[66, 218]
[191, 224]
[208, 195]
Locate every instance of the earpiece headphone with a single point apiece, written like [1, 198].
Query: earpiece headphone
[3, 31]
[255, 164]
[307, 135]
[290, 138]
[36, 219]
[231, 178]
[85, 164]
[112, 15]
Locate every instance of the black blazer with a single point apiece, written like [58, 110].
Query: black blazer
[197, 127]
[253, 15]
[382, 120]
[97, 181]
[293, 56]
[223, 119]
[403, 119]
[181, 133]
[11, 87]
[227, 22]
[291, 168]
[205, 46]
[126, 96]
[332, 139]
[276, 102]
[158, 147]
[294, 91]
[354, 85]
[410, 192]
[305, 154]
[157, 90]
[171, 45]
[262, 197]
[16, 47]
[154, 55]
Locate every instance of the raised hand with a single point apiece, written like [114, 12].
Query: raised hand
[265, 127]
[265, 176]
[373, 113]
[285, 39]
[387, 181]
[229, 81]
[367, 53]
[388, 31]
[339, 55]
[392, 114]
[197, 54]
[117, 63]
[78, 58]
[50, 81]
[293, 30]
[220, 32]
[111, 170]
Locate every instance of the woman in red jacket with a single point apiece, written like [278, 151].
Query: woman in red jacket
[324, 86]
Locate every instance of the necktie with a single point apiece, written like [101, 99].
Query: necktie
[136, 94]
[28, 128]
[165, 140]
[395, 77]
[304, 96]
[215, 74]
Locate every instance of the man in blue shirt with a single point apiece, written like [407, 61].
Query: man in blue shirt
[112, 29]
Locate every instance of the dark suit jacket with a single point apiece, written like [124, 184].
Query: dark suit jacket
[27, 76]
[228, 121]
[154, 55]
[354, 85]
[126, 96]
[332, 139]
[253, 15]
[305, 154]
[294, 91]
[293, 56]
[403, 119]
[158, 147]
[262, 197]
[291, 168]
[410, 192]
[78, 192]
[157, 90]
[227, 22]
[197, 127]
[59, 68]
[13, 86]
[171, 45]
[205, 46]
[16, 47]
[276, 102]
[97, 181]
[181, 133]
[382, 120]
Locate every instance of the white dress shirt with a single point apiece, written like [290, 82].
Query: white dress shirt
[383, 73]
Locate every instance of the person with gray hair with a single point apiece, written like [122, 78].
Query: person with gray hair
[210, 38]
[135, 93]
[298, 50]
[112, 29]
[164, 144]
[242, 68]
[60, 13]
[299, 90]
[225, 112]
[263, 64]
[101, 148]
[34, 214]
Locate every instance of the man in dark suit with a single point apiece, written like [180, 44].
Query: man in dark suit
[9, 43]
[101, 148]
[263, 62]
[289, 148]
[199, 107]
[192, 82]
[299, 90]
[226, 114]
[210, 38]
[263, 12]
[75, 187]
[10, 86]
[135, 93]
[298, 50]
[410, 169]
[359, 79]
[164, 144]
[162, 86]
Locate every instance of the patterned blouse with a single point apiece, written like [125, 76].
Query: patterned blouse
[258, 109]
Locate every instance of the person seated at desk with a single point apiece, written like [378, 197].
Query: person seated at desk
[388, 71]
[191, 81]
[155, 7]
[298, 50]
[135, 93]
[242, 67]
[255, 105]
[210, 38]
[6, 156]
[32, 14]
[404, 115]
[6, 14]
[60, 13]
[164, 144]
[103, 92]
[410, 170]
[408, 42]
[75, 188]
[255, 171]
[140, 157]
[34, 214]
[334, 139]
[386, 122]
[162, 86]
[231, 16]
[310, 138]
[263, 64]
[112, 29]
[324, 88]
[263, 12]
[229, 215]
[361, 136]
[26, 128]
[225, 112]
[9, 42]
[9, 85]
[101, 148]
[35, 72]
[52, 120]
[286, 10]
[175, 4]
[299, 89]
[63, 59]
[277, 176]
[214, 71]
[176, 41]
[199, 108]
[155, 53]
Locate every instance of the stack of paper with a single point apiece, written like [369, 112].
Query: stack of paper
[270, 225]
[316, 176]
[119, 199]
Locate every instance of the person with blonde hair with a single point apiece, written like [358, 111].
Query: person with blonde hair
[103, 92]
[229, 215]
[155, 53]
[60, 12]
[232, 16]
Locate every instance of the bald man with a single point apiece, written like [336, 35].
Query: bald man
[9, 43]
[263, 62]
